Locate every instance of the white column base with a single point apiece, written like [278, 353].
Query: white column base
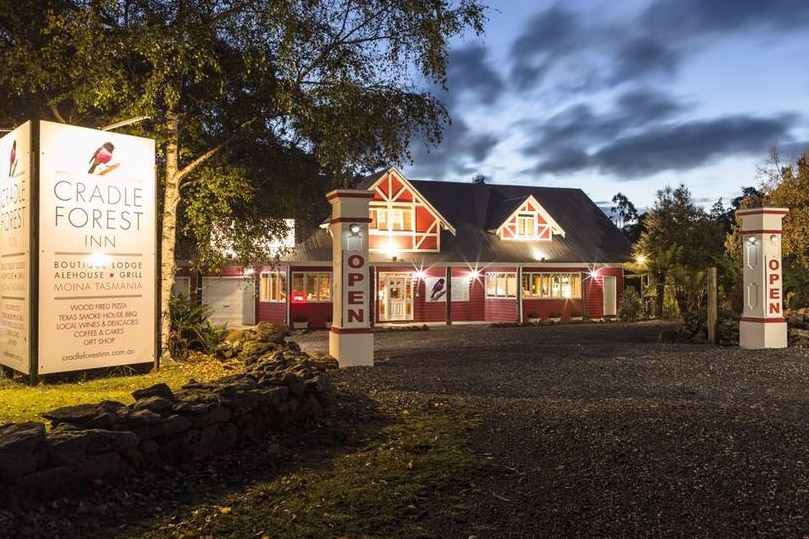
[757, 335]
[352, 349]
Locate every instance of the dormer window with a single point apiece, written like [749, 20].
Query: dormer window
[401, 219]
[391, 219]
[526, 225]
[529, 222]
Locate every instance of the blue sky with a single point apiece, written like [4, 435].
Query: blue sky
[626, 96]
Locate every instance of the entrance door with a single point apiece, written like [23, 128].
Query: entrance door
[610, 296]
[395, 297]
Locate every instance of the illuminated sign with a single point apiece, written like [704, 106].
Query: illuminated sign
[298, 297]
[15, 249]
[97, 249]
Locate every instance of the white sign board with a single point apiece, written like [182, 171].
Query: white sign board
[97, 249]
[15, 248]
[437, 289]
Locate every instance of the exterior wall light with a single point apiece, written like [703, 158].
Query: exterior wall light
[122, 123]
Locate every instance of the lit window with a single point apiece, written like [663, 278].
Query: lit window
[501, 285]
[391, 219]
[314, 286]
[551, 285]
[526, 225]
[272, 287]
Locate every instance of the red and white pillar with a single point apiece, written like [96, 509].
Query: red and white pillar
[351, 339]
[763, 324]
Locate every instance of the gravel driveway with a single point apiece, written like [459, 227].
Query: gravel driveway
[601, 431]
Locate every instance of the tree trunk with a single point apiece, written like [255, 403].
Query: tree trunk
[168, 267]
[660, 291]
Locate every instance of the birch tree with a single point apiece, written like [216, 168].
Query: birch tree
[333, 79]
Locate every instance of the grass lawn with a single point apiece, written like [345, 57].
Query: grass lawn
[364, 473]
[20, 402]
[387, 477]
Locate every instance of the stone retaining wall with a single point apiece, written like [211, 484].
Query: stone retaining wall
[727, 327]
[99, 442]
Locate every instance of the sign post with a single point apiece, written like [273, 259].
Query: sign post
[77, 248]
[351, 339]
[763, 324]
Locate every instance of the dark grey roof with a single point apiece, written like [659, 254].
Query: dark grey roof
[475, 209]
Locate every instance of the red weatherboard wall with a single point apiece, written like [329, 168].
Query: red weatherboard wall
[498, 309]
[595, 297]
[595, 290]
[271, 312]
[544, 307]
[501, 310]
[429, 311]
[468, 310]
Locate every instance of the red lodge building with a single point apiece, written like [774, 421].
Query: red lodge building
[443, 252]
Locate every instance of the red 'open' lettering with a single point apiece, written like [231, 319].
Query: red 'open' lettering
[356, 261]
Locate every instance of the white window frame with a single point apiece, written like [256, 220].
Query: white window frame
[313, 296]
[526, 225]
[393, 217]
[501, 285]
[556, 290]
[272, 287]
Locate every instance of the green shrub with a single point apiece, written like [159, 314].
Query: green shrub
[631, 305]
[191, 329]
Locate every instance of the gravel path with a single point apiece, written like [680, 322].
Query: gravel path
[588, 430]
[601, 431]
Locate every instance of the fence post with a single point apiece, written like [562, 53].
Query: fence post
[712, 305]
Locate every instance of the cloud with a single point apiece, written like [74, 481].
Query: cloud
[689, 145]
[635, 139]
[578, 126]
[564, 160]
[560, 50]
[579, 52]
[548, 38]
[644, 105]
[463, 148]
[789, 153]
[642, 57]
[690, 18]
[460, 154]
[469, 72]
[596, 91]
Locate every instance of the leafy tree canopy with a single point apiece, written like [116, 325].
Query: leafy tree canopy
[679, 242]
[236, 90]
[676, 222]
[788, 187]
[627, 218]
